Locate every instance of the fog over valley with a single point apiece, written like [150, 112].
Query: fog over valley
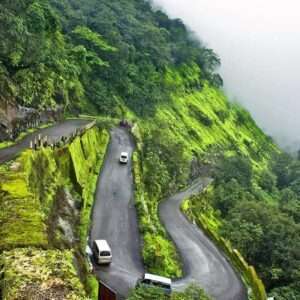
[259, 46]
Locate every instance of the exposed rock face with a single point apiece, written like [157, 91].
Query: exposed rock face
[65, 216]
[3, 132]
[8, 112]
[14, 119]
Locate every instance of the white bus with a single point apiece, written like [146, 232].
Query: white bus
[150, 280]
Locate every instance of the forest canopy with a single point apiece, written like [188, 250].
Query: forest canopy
[94, 56]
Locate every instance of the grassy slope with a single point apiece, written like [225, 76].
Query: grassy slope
[22, 218]
[204, 122]
[28, 189]
[184, 126]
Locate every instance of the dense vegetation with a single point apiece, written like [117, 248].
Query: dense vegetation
[94, 55]
[45, 199]
[259, 213]
[176, 146]
[119, 58]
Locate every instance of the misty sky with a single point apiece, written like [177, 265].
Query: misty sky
[259, 45]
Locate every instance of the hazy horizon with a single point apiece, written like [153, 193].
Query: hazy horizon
[259, 44]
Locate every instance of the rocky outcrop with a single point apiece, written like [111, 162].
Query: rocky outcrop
[15, 119]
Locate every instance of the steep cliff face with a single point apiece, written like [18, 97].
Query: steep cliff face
[46, 197]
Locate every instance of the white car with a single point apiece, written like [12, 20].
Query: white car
[124, 158]
[102, 252]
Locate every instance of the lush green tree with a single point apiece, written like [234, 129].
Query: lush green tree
[270, 242]
[165, 159]
[237, 167]
[156, 174]
[260, 216]
[281, 169]
[289, 203]
[53, 51]
[267, 180]
[286, 293]
[248, 238]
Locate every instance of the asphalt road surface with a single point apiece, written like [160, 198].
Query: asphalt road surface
[55, 132]
[114, 219]
[203, 262]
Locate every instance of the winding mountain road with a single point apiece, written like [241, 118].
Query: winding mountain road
[65, 128]
[203, 263]
[114, 219]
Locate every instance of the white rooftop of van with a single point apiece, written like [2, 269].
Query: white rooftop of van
[124, 154]
[157, 278]
[102, 245]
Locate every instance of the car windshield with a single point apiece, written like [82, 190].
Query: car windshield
[124, 156]
[105, 253]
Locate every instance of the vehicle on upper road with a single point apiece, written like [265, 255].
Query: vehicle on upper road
[102, 252]
[151, 280]
[124, 158]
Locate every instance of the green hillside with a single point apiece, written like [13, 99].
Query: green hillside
[93, 55]
[122, 59]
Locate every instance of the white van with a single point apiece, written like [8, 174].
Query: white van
[161, 282]
[102, 252]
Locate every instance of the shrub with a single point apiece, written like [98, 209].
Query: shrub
[222, 115]
[235, 167]
[267, 181]
[200, 116]
[241, 117]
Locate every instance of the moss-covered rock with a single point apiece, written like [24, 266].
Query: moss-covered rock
[39, 274]
[21, 215]
[28, 194]
[45, 195]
